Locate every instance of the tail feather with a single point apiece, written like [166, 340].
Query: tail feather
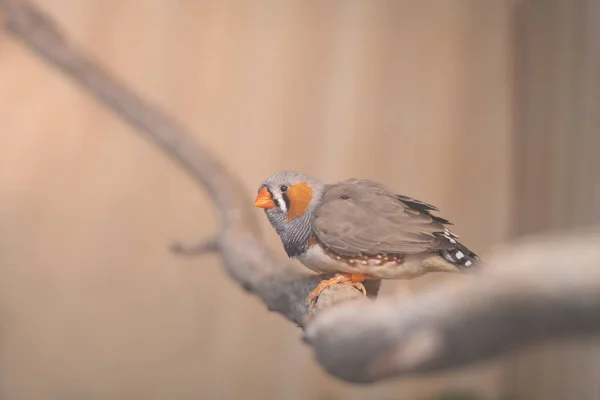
[458, 255]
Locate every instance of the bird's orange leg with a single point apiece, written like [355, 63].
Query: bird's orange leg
[355, 279]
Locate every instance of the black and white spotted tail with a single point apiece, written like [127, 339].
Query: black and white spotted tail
[457, 255]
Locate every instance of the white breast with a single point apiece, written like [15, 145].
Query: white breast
[316, 259]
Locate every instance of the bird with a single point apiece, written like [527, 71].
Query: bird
[359, 229]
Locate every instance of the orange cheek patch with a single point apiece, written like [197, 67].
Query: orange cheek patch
[300, 196]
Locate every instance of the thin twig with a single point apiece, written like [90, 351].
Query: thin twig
[208, 245]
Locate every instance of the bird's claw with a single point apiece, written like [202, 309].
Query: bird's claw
[360, 287]
[340, 278]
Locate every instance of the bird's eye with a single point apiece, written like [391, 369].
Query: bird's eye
[283, 188]
[344, 197]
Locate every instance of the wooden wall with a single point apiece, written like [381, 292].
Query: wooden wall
[419, 95]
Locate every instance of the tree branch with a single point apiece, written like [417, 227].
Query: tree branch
[282, 285]
[527, 293]
[534, 290]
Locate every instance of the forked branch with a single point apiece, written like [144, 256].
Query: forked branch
[279, 283]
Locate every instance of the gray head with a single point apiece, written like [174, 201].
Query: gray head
[289, 199]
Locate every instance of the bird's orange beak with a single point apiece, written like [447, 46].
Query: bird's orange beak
[264, 199]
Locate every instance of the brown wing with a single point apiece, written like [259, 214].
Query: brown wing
[364, 217]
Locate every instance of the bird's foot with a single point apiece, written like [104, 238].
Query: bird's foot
[355, 279]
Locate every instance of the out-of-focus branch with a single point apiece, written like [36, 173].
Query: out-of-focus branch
[532, 291]
[528, 292]
[279, 283]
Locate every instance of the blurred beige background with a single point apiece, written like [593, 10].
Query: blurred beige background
[484, 108]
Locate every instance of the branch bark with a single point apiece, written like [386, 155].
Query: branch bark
[528, 292]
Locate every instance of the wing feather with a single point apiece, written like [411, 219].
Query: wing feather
[363, 217]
